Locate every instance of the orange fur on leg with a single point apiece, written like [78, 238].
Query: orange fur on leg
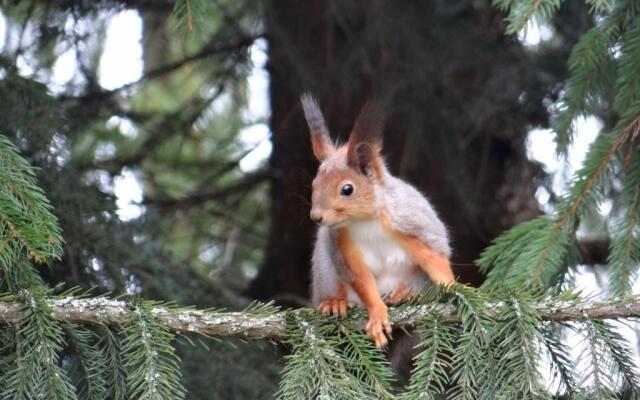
[364, 284]
[436, 265]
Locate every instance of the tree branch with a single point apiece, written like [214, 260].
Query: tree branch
[213, 48]
[272, 326]
[247, 182]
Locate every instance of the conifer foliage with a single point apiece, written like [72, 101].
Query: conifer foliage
[603, 75]
[30, 364]
[505, 340]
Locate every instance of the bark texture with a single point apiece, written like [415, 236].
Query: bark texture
[272, 326]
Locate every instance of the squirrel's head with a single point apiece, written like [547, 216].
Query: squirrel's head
[343, 189]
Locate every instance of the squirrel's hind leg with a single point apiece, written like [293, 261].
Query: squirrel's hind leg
[435, 265]
[329, 292]
[402, 293]
[337, 305]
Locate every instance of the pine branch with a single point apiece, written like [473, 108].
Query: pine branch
[596, 6]
[317, 366]
[214, 47]
[596, 165]
[583, 194]
[151, 362]
[596, 375]
[590, 68]
[610, 365]
[518, 345]
[472, 359]
[625, 244]
[89, 371]
[271, 324]
[26, 221]
[365, 362]
[430, 377]
[535, 251]
[240, 186]
[35, 372]
[628, 82]
[525, 11]
[618, 351]
[562, 366]
[111, 349]
[185, 13]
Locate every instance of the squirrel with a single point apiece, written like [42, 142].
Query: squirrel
[378, 237]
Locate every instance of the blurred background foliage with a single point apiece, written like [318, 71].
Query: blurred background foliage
[207, 227]
[198, 230]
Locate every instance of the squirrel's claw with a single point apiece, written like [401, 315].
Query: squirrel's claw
[334, 306]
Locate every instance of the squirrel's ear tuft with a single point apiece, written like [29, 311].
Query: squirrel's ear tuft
[365, 141]
[369, 126]
[320, 139]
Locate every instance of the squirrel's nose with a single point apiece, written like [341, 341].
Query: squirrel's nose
[316, 216]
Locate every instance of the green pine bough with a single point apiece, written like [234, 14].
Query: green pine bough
[475, 343]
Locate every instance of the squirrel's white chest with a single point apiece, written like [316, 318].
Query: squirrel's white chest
[382, 254]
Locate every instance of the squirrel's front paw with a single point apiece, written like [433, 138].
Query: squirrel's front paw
[378, 325]
[334, 305]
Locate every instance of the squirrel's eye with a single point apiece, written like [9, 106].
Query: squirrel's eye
[346, 190]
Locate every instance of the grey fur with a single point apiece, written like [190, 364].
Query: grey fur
[412, 214]
[326, 264]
